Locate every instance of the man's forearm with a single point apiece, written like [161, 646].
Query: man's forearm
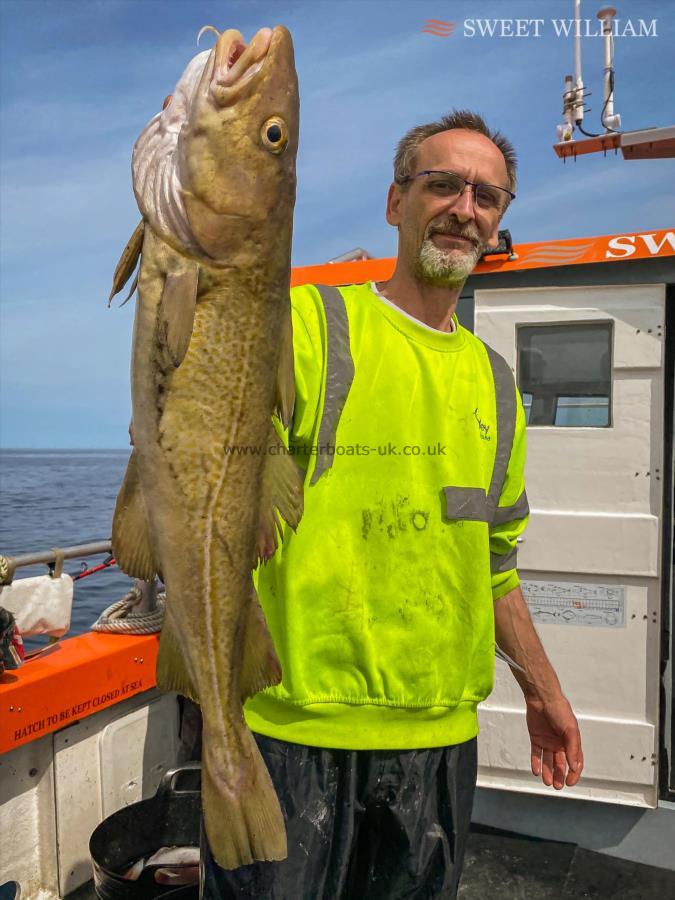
[516, 636]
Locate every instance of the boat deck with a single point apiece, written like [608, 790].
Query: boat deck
[507, 866]
[514, 867]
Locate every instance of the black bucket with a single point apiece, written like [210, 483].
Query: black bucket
[169, 819]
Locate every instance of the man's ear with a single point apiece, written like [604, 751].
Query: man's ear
[493, 240]
[393, 204]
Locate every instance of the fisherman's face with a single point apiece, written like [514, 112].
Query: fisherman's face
[441, 239]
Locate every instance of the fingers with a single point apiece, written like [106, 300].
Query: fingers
[575, 756]
[574, 775]
[552, 766]
[177, 875]
[541, 762]
[559, 770]
[547, 767]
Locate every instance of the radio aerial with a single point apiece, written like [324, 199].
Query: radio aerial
[647, 143]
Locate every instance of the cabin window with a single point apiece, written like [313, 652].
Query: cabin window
[565, 374]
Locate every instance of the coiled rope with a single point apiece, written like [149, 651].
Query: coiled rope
[123, 617]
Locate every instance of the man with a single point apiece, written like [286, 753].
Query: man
[385, 605]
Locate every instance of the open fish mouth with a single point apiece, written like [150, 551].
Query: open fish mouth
[236, 63]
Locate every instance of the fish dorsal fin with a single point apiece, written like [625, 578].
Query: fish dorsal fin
[128, 260]
[130, 532]
[282, 492]
[260, 664]
[284, 399]
[177, 311]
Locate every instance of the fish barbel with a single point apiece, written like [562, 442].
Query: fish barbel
[214, 177]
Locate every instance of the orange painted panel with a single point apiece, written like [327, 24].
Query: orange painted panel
[539, 255]
[344, 273]
[72, 680]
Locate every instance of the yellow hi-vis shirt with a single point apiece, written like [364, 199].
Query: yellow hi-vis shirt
[381, 604]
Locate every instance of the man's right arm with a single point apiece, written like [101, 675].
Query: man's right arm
[555, 741]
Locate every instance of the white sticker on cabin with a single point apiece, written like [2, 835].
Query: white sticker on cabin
[570, 603]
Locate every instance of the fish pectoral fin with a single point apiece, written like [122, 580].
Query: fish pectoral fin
[281, 493]
[130, 532]
[128, 261]
[260, 664]
[172, 673]
[132, 291]
[284, 398]
[177, 312]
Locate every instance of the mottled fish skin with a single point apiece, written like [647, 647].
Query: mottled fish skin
[213, 303]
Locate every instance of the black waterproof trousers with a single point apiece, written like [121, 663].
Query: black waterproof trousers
[361, 824]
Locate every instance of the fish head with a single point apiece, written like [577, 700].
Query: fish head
[216, 168]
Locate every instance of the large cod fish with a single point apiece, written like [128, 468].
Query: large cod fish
[214, 177]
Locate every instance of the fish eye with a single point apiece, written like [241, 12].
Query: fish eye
[274, 135]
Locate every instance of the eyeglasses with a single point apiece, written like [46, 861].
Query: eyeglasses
[487, 197]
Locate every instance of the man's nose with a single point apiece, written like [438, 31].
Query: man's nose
[463, 206]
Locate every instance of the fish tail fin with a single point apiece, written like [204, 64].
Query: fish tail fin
[244, 822]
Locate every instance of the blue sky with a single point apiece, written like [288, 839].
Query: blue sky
[81, 79]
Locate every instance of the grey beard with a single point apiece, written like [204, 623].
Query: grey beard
[445, 268]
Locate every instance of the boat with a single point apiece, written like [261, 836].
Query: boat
[588, 327]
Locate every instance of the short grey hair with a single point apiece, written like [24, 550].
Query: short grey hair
[458, 118]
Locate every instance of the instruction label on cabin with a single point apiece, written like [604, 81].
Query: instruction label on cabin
[570, 603]
[67, 715]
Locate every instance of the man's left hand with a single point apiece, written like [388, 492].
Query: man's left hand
[555, 742]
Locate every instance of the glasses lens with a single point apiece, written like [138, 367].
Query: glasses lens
[444, 185]
[488, 197]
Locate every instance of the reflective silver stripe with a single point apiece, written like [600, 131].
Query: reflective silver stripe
[518, 510]
[499, 563]
[339, 374]
[466, 503]
[505, 395]
[472, 503]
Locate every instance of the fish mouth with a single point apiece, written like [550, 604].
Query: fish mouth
[237, 63]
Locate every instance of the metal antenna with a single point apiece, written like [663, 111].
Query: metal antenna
[647, 143]
[573, 95]
[610, 120]
[578, 80]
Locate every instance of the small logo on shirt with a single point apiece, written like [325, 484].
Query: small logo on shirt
[482, 427]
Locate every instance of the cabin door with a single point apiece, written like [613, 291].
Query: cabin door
[589, 366]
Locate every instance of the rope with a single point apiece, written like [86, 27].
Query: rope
[6, 570]
[122, 618]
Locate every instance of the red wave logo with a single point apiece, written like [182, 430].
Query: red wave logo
[438, 27]
[562, 254]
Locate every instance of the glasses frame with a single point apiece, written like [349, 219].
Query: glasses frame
[474, 185]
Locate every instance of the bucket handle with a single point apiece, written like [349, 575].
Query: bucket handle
[167, 784]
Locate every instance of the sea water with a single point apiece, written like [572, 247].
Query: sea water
[61, 498]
